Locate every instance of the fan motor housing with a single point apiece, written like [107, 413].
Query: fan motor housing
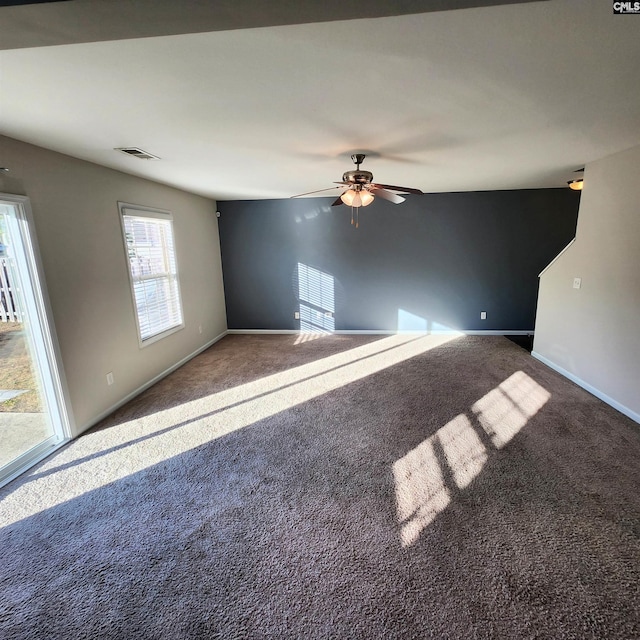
[357, 177]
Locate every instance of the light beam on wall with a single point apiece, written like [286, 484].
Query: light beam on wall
[316, 293]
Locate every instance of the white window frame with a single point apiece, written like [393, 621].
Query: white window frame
[138, 211]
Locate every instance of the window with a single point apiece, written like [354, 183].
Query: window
[148, 236]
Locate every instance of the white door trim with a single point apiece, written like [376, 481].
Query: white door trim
[46, 345]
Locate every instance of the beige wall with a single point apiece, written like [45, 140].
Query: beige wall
[78, 230]
[591, 333]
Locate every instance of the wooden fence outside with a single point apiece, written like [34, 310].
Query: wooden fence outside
[9, 310]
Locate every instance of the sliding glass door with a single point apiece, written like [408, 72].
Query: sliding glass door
[32, 409]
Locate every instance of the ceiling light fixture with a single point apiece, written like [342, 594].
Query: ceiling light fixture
[355, 197]
[576, 185]
[361, 191]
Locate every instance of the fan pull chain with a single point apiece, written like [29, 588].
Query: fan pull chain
[355, 222]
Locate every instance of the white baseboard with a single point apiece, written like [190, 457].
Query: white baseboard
[380, 332]
[296, 332]
[587, 387]
[499, 333]
[262, 332]
[146, 385]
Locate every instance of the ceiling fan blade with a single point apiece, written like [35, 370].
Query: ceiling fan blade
[387, 195]
[337, 202]
[308, 193]
[401, 189]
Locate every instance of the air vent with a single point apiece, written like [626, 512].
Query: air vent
[136, 152]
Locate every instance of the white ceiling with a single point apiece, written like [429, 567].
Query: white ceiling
[496, 97]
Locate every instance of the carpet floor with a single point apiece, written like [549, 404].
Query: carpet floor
[341, 487]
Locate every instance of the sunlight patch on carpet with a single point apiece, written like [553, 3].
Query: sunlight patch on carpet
[506, 409]
[108, 455]
[430, 475]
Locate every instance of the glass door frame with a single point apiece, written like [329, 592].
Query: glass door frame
[45, 349]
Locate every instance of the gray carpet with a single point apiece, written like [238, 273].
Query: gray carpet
[344, 487]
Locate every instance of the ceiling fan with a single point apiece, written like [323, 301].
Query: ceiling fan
[359, 190]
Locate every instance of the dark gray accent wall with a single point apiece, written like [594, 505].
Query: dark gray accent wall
[437, 260]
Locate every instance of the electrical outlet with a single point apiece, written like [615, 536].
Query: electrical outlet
[296, 315]
[483, 315]
[577, 283]
[110, 378]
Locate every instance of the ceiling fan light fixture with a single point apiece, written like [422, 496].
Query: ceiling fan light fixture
[366, 197]
[348, 197]
[355, 198]
[359, 190]
[576, 185]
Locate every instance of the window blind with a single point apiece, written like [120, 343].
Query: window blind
[153, 270]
